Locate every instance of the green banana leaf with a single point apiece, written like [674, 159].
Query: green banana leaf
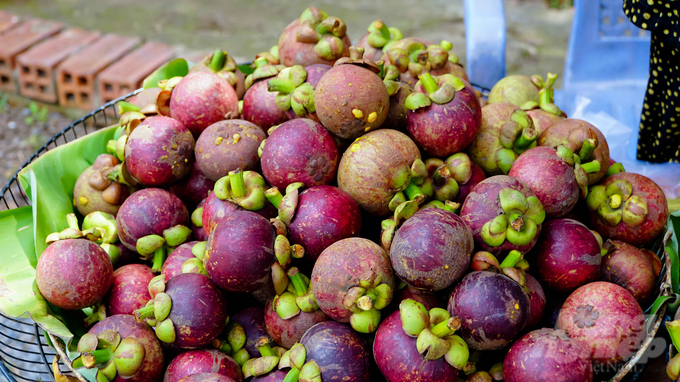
[177, 67]
[49, 183]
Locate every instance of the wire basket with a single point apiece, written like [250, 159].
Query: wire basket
[24, 351]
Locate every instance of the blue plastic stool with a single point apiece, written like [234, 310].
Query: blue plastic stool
[485, 41]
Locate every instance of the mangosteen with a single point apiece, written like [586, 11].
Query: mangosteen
[517, 89]
[73, 272]
[194, 188]
[351, 99]
[397, 115]
[202, 361]
[222, 64]
[380, 170]
[545, 113]
[129, 289]
[453, 178]
[207, 377]
[547, 355]
[567, 255]
[413, 344]
[189, 312]
[627, 207]
[505, 132]
[259, 105]
[314, 38]
[378, 39]
[96, 188]
[352, 281]
[299, 150]
[184, 259]
[536, 301]
[121, 349]
[605, 320]
[228, 146]
[444, 114]
[151, 221]
[295, 88]
[580, 137]
[634, 269]
[432, 249]
[503, 214]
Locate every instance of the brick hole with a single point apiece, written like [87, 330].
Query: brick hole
[41, 73]
[2, 64]
[82, 81]
[29, 86]
[43, 89]
[67, 78]
[4, 79]
[26, 69]
[84, 97]
[108, 87]
[124, 89]
[70, 97]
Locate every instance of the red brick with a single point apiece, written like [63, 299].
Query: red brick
[128, 73]
[8, 21]
[19, 39]
[37, 65]
[76, 75]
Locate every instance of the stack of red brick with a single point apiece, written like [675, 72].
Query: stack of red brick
[49, 62]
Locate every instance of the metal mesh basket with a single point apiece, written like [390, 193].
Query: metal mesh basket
[24, 352]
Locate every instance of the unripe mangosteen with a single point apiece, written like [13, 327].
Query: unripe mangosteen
[95, 191]
[503, 214]
[351, 99]
[547, 355]
[295, 87]
[605, 320]
[74, 274]
[492, 307]
[432, 249]
[202, 361]
[124, 346]
[299, 150]
[580, 137]
[189, 313]
[505, 132]
[567, 255]
[627, 207]
[227, 146]
[634, 269]
[159, 152]
[377, 168]
[201, 99]
[352, 281]
[314, 38]
[516, 89]
[444, 114]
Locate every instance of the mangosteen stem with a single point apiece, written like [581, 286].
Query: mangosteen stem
[158, 259]
[96, 357]
[274, 196]
[512, 259]
[266, 351]
[414, 192]
[124, 107]
[614, 169]
[218, 60]
[98, 314]
[280, 85]
[72, 221]
[238, 186]
[527, 137]
[260, 62]
[591, 167]
[298, 282]
[615, 201]
[428, 82]
[446, 328]
[293, 375]
[143, 313]
[587, 149]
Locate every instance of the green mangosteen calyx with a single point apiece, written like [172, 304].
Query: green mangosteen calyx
[105, 222]
[581, 170]
[514, 265]
[382, 37]
[296, 297]
[316, 27]
[163, 98]
[518, 222]
[356, 57]
[516, 136]
[94, 234]
[434, 331]
[98, 314]
[110, 354]
[272, 55]
[287, 206]
[448, 175]
[156, 311]
[195, 264]
[268, 360]
[300, 368]
[365, 301]
[219, 63]
[416, 58]
[263, 69]
[390, 75]
[156, 247]
[245, 188]
[293, 91]
[439, 90]
[616, 203]
[546, 95]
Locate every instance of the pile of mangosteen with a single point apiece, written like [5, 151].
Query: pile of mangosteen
[354, 213]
